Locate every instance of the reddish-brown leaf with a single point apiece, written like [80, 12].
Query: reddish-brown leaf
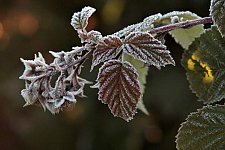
[119, 88]
[107, 50]
[145, 47]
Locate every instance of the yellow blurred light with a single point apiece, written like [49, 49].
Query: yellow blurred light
[191, 64]
[28, 25]
[208, 72]
[112, 11]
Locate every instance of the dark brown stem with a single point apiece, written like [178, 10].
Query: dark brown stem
[81, 60]
[186, 24]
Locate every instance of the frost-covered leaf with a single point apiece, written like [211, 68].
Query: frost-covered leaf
[143, 26]
[183, 36]
[217, 11]
[93, 37]
[144, 47]
[142, 74]
[107, 50]
[205, 65]
[80, 19]
[203, 130]
[34, 68]
[119, 88]
[29, 97]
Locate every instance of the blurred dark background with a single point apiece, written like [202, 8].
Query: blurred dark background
[31, 26]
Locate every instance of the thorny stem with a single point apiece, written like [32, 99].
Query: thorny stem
[186, 24]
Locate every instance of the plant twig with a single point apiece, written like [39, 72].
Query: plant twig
[80, 60]
[186, 24]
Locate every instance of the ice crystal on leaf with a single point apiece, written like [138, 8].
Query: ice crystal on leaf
[144, 47]
[119, 88]
[183, 36]
[80, 19]
[124, 54]
[93, 37]
[34, 68]
[145, 25]
[38, 75]
[106, 51]
[142, 75]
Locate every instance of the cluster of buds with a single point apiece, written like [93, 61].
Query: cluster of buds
[38, 81]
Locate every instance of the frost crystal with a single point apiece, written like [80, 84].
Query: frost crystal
[38, 75]
[119, 88]
[34, 68]
[144, 47]
[147, 24]
[106, 51]
[80, 19]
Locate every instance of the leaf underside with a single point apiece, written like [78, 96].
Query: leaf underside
[183, 36]
[217, 11]
[80, 19]
[205, 66]
[203, 130]
[119, 88]
[143, 26]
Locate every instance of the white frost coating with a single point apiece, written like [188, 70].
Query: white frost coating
[77, 50]
[119, 88]
[183, 36]
[34, 68]
[57, 54]
[39, 57]
[180, 14]
[80, 19]
[144, 47]
[109, 50]
[147, 24]
[174, 19]
[142, 73]
[94, 37]
[59, 102]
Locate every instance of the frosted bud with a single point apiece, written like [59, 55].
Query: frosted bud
[29, 97]
[174, 19]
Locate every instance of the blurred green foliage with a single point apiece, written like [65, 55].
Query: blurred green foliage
[31, 26]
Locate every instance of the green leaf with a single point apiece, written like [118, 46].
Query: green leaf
[217, 11]
[142, 74]
[205, 66]
[203, 130]
[183, 36]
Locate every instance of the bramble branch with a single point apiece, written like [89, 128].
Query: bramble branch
[186, 24]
